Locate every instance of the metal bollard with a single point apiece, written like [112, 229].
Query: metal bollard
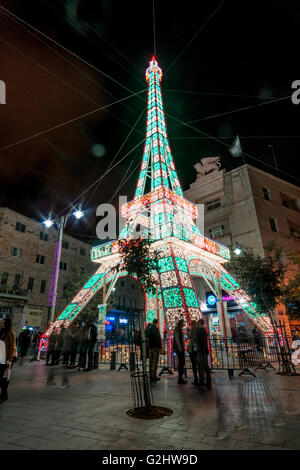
[113, 360]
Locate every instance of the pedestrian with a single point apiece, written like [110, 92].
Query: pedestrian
[74, 342]
[23, 343]
[67, 347]
[193, 349]
[257, 338]
[83, 340]
[178, 349]
[7, 336]
[92, 333]
[51, 348]
[36, 342]
[59, 344]
[202, 356]
[154, 346]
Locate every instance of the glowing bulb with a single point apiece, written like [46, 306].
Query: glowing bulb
[48, 223]
[78, 214]
[237, 251]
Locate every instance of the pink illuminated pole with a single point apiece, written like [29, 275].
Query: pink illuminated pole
[55, 272]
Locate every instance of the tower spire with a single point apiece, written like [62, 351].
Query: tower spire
[157, 162]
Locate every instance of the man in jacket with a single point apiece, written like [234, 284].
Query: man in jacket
[202, 346]
[92, 334]
[154, 346]
[179, 350]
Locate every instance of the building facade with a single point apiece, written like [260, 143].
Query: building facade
[26, 263]
[248, 207]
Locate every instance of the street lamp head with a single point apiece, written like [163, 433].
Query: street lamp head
[237, 250]
[48, 223]
[78, 214]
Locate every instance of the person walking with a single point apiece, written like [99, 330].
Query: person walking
[59, 344]
[202, 356]
[36, 342]
[74, 334]
[7, 336]
[51, 348]
[192, 349]
[83, 339]
[154, 346]
[23, 343]
[67, 347]
[92, 334]
[178, 349]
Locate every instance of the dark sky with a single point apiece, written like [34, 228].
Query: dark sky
[247, 48]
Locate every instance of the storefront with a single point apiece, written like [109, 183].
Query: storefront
[238, 320]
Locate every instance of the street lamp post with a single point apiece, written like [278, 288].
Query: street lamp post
[60, 223]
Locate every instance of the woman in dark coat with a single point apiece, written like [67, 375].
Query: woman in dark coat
[9, 338]
[23, 343]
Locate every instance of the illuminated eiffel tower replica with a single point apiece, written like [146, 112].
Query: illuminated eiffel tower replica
[170, 220]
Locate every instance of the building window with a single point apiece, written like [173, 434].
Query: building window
[17, 281]
[63, 266]
[266, 193]
[294, 229]
[44, 236]
[290, 202]
[20, 227]
[216, 231]
[82, 269]
[30, 284]
[210, 205]
[122, 283]
[4, 278]
[273, 225]
[132, 286]
[65, 244]
[43, 287]
[17, 252]
[40, 259]
[82, 251]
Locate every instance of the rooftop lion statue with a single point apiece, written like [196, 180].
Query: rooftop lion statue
[207, 165]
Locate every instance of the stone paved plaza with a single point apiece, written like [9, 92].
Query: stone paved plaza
[87, 411]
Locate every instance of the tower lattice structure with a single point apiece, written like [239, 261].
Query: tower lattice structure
[170, 220]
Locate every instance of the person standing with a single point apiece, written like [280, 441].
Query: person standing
[23, 343]
[7, 336]
[75, 332]
[178, 349]
[154, 346]
[193, 350]
[92, 334]
[59, 344]
[51, 348]
[67, 347]
[82, 347]
[202, 356]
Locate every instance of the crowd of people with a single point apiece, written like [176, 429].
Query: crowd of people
[197, 348]
[74, 347]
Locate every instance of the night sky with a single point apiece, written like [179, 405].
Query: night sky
[243, 54]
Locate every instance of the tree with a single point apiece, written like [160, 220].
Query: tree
[140, 261]
[263, 278]
[292, 289]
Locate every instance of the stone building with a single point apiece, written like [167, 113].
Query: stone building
[26, 262]
[248, 207]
